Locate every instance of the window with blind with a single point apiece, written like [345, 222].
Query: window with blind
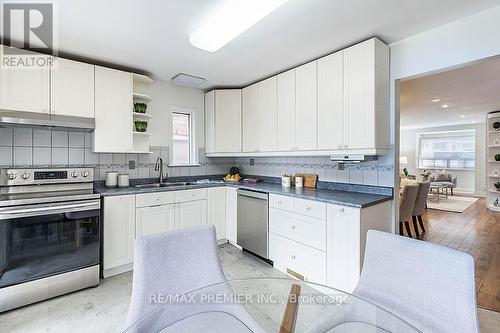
[447, 150]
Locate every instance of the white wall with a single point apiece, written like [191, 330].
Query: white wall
[467, 181]
[165, 94]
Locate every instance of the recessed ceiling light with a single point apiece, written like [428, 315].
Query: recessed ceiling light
[435, 100]
[187, 80]
[462, 116]
[445, 105]
[230, 20]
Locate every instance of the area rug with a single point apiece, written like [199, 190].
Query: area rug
[454, 204]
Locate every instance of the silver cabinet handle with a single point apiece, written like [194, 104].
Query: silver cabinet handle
[293, 256]
[292, 227]
[341, 210]
[308, 208]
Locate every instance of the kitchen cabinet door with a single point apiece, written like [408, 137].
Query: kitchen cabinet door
[72, 90]
[191, 213]
[153, 220]
[343, 247]
[330, 102]
[113, 111]
[228, 121]
[216, 211]
[306, 107]
[25, 89]
[231, 214]
[250, 116]
[210, 122]
[359, 95]
[285, 86]
[268, 116]
[118, 231]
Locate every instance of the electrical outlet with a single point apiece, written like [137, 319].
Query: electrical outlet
[131, 164]
[252, 161]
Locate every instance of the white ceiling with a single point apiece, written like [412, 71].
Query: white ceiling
[152, 35]
[471, 92]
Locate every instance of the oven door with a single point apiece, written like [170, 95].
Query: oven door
[42, 240]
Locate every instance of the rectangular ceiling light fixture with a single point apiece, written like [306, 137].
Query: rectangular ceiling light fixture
[230, 20]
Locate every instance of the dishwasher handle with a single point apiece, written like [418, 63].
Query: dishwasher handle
[253, 194]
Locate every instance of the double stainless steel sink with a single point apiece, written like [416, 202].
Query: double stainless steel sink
[158, 185]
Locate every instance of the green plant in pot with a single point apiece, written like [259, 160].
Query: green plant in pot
[140, 107]
[141, 126]
[497, 157]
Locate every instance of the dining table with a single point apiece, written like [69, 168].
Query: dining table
[266, 304]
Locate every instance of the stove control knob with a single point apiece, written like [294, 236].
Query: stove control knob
[74, 174]
[26, 175]
[12, 176]
[85, 173]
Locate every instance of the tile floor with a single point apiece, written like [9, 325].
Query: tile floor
[104, 309]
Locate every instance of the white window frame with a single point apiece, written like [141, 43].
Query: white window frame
[193, 151]
[444, 134]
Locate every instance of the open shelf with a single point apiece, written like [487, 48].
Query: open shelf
[141, 115]
[139, 78]
[142, 97]
[141, 133]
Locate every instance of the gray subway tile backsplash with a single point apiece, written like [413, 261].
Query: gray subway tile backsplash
[21, 147]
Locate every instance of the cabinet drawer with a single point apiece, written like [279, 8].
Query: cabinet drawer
[191, 195]
[154, 199]
[302, 259]
[310, 208]
[281, 202]
[303, 229]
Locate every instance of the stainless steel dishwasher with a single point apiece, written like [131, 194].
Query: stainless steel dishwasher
[253, 222]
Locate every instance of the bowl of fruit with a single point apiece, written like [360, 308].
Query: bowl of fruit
[233, 176]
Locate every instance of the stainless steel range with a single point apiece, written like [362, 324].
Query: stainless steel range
[49, 234]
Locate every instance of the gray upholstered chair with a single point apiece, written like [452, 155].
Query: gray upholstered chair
[177, 263]
[406, 205]
[444, 178]
[419, 207]
[441, 299]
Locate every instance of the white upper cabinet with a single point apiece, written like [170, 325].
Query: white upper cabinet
[250, 116]
[268, 117]
[330, 102]
[286, 110]
[306, 107]
[227, 121]
[72, 90]
[336, 104]
[260, 116]
[113, 110]
[210, 122]
[366, 95]
[24, 89]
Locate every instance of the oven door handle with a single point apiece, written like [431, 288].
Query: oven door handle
[37, 211]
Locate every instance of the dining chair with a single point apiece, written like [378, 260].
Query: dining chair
[441, 299]
[419, 207]
[175, 263]
[406, 207]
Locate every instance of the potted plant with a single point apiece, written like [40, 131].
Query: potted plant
[141, 126]
[140, 107]
[497, 157]
[425, 173]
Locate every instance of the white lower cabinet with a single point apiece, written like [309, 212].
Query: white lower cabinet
[322, 243]
[231, 214]
[216, 210]
[191, 213]
[156, 219]
[118, 234]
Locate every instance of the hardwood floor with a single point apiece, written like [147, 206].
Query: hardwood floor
[477, 232]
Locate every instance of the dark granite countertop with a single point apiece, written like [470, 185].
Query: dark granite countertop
[328, 195]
